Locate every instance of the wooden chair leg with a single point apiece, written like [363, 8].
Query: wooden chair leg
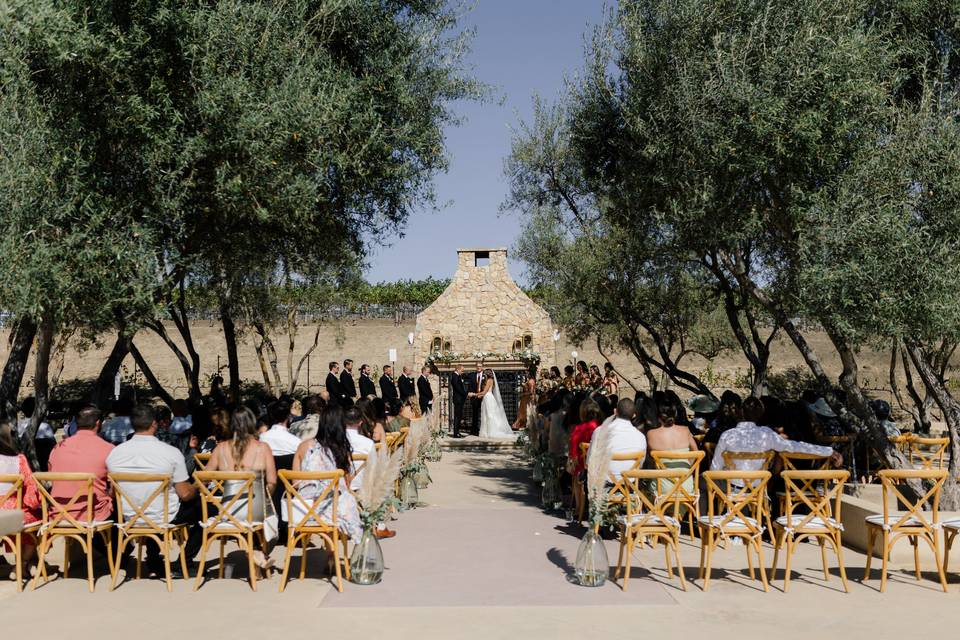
[18, 558]
[335, 550]
[936, 554]
[916, 556]
[304, 542]
[41, 558]
[291, 545]
[886, 555]
[823, 558]
[346, 555]
[871, 540]
[777, 541]
[706, 575]
[121, 544]
[251, 565]
[223, 541]
[166, 560]
[676, 552]
[666, 557]
[89, 551]
[183, 553]
[838, 547]
[703, 552]
[203, 560]
[788, 542]
[631, 544]
[139, 543]
[760, 567]
[749, 548]
[66, 557]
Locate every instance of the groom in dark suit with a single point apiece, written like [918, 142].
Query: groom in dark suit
[458, 389]
[475, 386]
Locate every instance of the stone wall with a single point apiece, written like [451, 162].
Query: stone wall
[483, 309]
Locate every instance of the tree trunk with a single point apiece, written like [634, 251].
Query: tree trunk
[103, 387]
[41, 392]
[295, 376]
[233, 359]
[950, 498]
[262, 360]
[21, 339]
[152, 380]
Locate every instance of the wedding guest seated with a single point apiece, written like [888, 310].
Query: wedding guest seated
[624, 437]
[669, 436]
[145, 453]
[220, 423]
[45, 440]
[728, 416]
[704, 412]
[244, 452]
[379, 408]
[118, 428]
[409, 410]
[359, 443]
[85, 452]
[182, 419]
[881, 409]
[373, 427]
[329, 451]
[749, 436]
[12, 462]
[284, 445]
[590, 417]
[306, 428]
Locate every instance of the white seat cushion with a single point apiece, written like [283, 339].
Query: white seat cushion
[877, 520]
[216, 523]
[736, 524]
[11, 521]
[647, 519]
[66, 524]
[952, 524]
[815, 523]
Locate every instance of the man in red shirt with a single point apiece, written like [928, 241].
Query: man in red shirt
[84, 452]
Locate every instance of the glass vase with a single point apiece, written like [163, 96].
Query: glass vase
[409, 496]
[423, 478]
[366, 560]
[550, 493]
[592, 566]
[537, 470]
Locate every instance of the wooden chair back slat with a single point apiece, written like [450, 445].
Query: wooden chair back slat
[743, 504]
[212, 499]
[308, 516]
[932, 457]
[819, 491]
[56, 514]
[14, 484]
[140, 521]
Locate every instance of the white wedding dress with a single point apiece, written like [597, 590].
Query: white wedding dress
[493, 418]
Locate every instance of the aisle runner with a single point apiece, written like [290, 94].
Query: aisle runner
[451, 557]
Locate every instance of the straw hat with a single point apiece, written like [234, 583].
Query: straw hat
[821, 408]
[703, 404]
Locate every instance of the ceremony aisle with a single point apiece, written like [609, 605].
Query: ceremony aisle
[480, 539]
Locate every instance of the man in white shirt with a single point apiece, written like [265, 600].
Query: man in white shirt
[749, 437]
[359, 443]
[623, 436]
[144, 453]
[278, 437]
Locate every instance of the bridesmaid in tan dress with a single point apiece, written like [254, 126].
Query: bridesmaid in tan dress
[526, 399]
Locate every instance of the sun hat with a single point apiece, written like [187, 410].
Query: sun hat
[821, 408]
[703, 404]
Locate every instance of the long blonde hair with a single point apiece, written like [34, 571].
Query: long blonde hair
[243, 424]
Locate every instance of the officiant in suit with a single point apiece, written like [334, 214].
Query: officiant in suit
[458, 389]
[388, 390]
[347, 385]
[475, 386]
[425, 391]
[333, 384]
[367, 388]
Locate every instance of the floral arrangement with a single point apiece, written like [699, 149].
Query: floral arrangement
[415, 446]
[375, 495]
[598, 468]
[446, 357]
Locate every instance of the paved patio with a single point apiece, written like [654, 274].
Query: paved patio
[480, 560]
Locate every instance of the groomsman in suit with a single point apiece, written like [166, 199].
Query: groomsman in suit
[406, 384]
[333, 384]
[475, 386]
[458, 388]
[388, 390]
[347, 385]
[367, 388]
[425, 391]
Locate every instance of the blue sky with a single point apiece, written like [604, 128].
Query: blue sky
[521, 48]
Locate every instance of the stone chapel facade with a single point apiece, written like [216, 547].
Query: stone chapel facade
[483, 310]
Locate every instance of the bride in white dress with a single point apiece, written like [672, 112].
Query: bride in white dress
[493, 418]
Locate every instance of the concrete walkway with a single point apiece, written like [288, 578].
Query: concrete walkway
[479, 560]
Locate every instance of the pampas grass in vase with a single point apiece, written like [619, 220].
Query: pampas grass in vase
[592, 565]
[417, 438]
[374, 497]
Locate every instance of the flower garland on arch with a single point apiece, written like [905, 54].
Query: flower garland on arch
[528, 357]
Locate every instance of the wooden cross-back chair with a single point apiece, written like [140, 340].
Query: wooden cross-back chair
[901, 442]
[228, 517]
[139, 527]
[396, 439]
[791, 461]
[617, 493]
[733, 512]
[58, 522]
[819, 492]
[951, 529]
[359, 463]
[11, 487]
[651, 518]
[305, 521]
[201, 459]
[764, 458]
[686, 499]
[913, 523]
[928, 451]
